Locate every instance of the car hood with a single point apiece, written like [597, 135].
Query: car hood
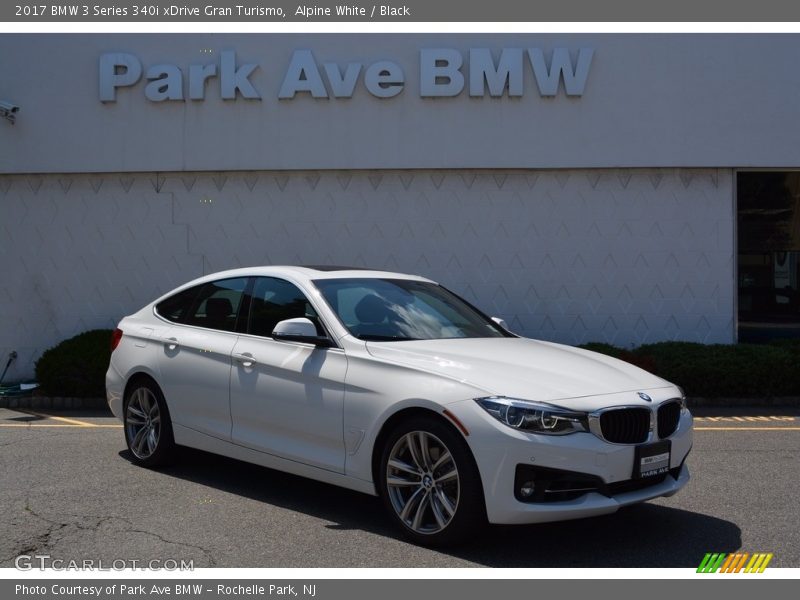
[523, 368]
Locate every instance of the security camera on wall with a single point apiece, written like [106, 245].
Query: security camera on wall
[8, 111]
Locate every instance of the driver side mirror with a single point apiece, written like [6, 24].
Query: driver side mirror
[300, 330]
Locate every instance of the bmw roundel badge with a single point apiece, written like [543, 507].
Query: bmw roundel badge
[645, 397]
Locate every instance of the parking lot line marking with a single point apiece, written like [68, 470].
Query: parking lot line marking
[747, 418]
[75, 422]
[66, 420]
[745, 428]
[68, 425]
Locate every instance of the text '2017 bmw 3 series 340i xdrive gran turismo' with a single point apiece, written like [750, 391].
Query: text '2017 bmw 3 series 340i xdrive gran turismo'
[389, 384]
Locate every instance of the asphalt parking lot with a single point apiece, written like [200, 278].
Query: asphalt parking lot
[67, 489]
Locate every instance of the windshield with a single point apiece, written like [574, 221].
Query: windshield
[389, 310]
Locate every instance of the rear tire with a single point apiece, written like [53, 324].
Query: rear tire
[430, 484]
[148, 428]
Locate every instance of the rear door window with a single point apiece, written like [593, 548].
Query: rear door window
[217, 305]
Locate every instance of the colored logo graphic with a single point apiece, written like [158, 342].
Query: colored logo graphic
[738, 562]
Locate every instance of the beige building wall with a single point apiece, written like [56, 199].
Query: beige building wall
[626, 256]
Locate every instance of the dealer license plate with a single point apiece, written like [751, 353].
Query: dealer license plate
[651, 460]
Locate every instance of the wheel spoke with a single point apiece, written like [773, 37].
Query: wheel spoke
[139, 440]
[143, 439]
[136, 399]
[151, 440]
[399, 482]
[424, 449]
[134, 419]
[441, 520]
[423, 504]
[144, 401]
[442, 459]
[445, 502]
[153, 408]
[401, 466]
[135, 411]
[415, 452]
[412, 501]
[447, 476]
[156, 418]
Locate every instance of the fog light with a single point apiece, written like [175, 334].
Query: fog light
[527, 489]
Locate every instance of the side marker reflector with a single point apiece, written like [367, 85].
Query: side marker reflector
[457, 423]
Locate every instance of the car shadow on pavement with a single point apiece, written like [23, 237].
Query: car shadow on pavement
[644, 535]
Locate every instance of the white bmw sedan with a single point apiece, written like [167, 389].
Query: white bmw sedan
[392, 385]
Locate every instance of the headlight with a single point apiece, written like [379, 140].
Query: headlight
[682, 398]
[535, 417]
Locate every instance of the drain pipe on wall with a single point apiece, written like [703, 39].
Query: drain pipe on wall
[11, 358]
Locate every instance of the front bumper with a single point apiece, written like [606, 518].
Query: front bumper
[499, 449]
[589, 505]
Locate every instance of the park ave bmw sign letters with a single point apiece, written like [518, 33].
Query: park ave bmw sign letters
[443, 72]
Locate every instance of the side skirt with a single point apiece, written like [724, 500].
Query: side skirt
[185, 436]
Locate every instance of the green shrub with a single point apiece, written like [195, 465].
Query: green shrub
[719, 370]
[642, 361]
[76, 367]
[604, 348]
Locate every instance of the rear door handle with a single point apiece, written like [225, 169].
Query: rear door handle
[171, 343]
[246, 359]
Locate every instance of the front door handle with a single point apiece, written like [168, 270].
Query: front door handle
[246, 359]
[171, 343]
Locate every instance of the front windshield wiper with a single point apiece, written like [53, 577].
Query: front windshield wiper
[385, 338]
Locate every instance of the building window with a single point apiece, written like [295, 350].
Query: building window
[768, 205]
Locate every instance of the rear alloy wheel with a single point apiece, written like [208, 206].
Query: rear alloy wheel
[148, 430]
[430, 484]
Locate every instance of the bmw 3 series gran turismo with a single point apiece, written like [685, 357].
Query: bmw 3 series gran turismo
[391, 385]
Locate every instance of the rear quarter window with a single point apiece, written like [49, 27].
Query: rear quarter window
[175, 308]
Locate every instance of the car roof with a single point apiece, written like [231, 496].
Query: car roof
[309, 272]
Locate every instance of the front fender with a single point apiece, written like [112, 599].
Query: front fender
[375, 391]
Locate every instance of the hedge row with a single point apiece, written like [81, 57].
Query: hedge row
[76, 367]
[719, 370]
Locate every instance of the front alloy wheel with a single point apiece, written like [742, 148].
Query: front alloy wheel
[423, 483]
[430, 483]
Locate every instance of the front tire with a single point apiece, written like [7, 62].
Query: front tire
[148, 428]
[430, 484]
